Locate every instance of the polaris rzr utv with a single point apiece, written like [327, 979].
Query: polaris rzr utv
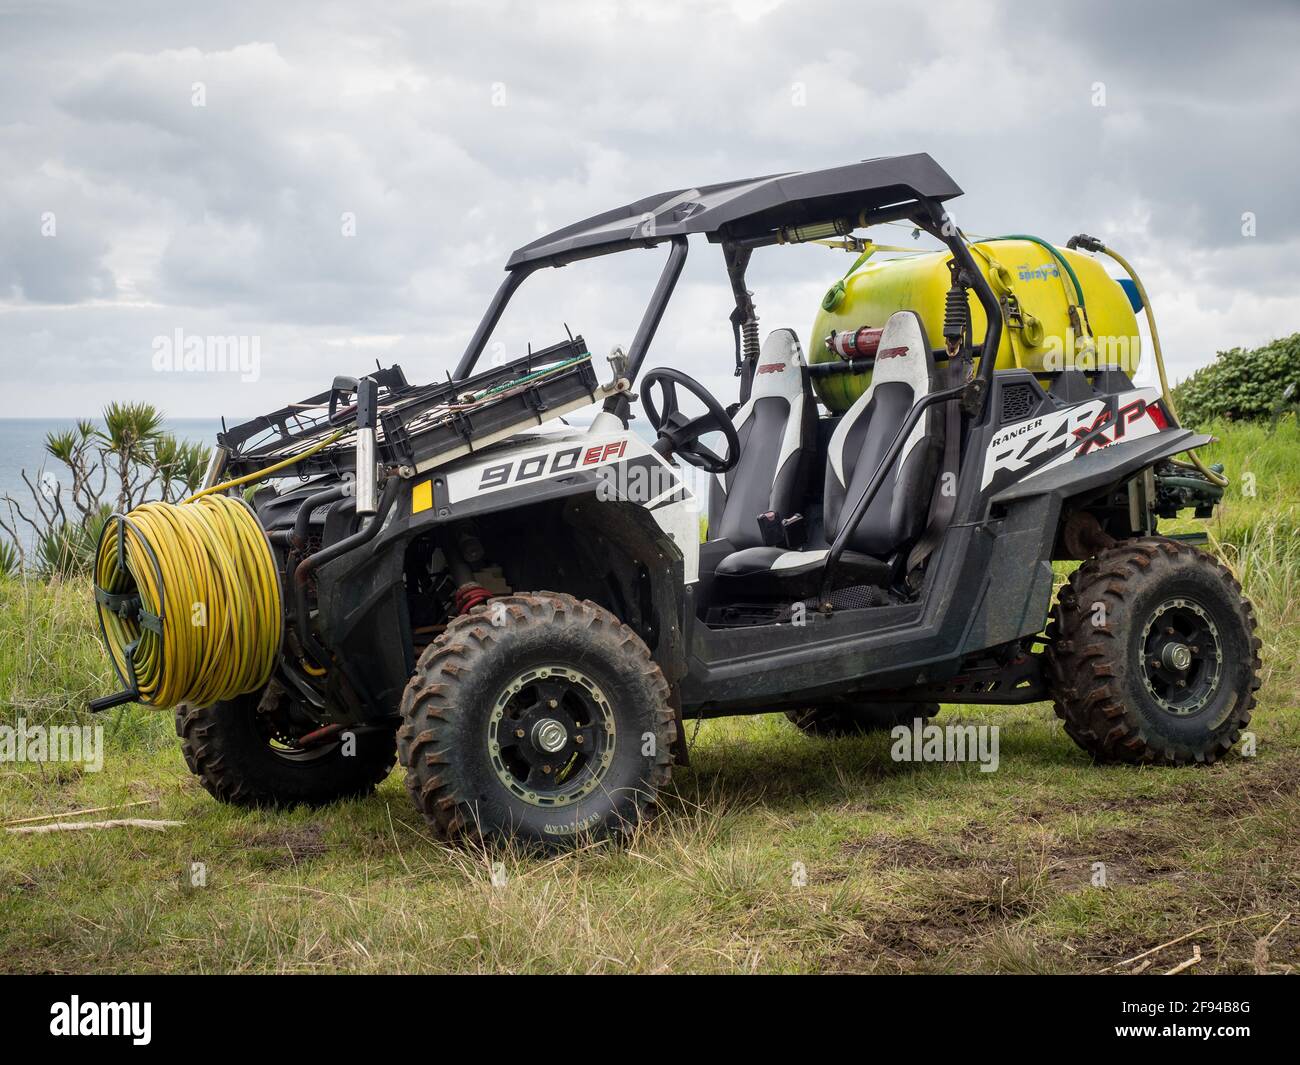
[527, 614]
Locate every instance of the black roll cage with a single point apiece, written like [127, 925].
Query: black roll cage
[925, 213]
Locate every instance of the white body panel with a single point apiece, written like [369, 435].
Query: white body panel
[1026, 444]
[628, 468]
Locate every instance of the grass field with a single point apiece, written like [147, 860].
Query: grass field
[909, 868]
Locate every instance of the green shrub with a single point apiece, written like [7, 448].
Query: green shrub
[68, 550]
[1242, 384]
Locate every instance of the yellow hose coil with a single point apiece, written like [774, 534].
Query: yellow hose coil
[189, 597]
[209, 619]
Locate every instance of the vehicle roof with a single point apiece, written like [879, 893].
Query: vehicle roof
[752, 208]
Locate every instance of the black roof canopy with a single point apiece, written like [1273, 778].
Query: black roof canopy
[750, 209]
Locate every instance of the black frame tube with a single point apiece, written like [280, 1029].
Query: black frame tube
[654, 312]
[491, 317]
[645, 332]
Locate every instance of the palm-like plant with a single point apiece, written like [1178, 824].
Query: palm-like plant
[181, 465]
[131, 430]
[78, 450]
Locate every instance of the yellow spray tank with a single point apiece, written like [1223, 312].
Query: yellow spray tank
[1050, 324]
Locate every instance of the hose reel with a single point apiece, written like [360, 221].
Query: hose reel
[188, 594]
[189, 602]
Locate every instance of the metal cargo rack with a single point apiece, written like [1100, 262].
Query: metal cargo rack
[420, 426]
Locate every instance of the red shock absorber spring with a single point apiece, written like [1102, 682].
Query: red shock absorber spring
[468, 596]
[855, 343]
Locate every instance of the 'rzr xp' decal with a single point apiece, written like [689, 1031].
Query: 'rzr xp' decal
[1094, 435]
[1066, 434]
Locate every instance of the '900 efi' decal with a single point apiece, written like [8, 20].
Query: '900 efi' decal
[516, 468]
[1041, 443]
[548, 464]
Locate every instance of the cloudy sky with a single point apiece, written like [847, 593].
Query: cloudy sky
[344, 181]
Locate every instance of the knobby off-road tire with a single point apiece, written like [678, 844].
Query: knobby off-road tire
[236, 759]
[1121, 683]
[850, 717]
[536, 717]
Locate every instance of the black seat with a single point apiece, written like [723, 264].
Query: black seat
[904, 371]
[778, 571]
[777, 431]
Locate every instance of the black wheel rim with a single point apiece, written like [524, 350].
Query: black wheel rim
[551, 735]
[1181, 656]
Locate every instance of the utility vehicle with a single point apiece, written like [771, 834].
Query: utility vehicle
[527, 616]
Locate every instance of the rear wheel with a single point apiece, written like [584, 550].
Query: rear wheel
[854, 717]
[536, 717]
[263, 750]
[1153, 656]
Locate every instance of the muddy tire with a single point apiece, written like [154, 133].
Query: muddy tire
[537, 718]
[241, 758]
[1152, 655]
[849, 717]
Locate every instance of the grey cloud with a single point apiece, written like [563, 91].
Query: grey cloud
[227, 218]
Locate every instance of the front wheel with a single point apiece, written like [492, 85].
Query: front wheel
[1152, 655]
[536, 717]
[263, 749]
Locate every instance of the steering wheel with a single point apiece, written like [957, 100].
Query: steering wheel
[680, 435]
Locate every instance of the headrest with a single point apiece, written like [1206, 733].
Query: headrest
[904, 353]
[780, 366]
